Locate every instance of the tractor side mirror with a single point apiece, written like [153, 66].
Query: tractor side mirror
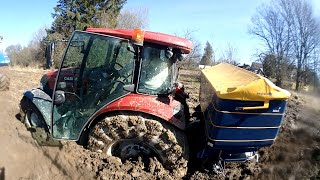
[169, 53]
[59, 97]
[181, 57]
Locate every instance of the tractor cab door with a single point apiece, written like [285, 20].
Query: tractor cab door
[92, 74]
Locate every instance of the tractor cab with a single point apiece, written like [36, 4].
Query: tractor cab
[115, 92]
[100, 66]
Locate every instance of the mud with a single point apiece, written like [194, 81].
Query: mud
[294, 155]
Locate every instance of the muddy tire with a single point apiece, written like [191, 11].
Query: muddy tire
[168, 143]
[4, 83]
[30, 115]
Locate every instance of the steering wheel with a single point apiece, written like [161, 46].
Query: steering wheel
[102, 93]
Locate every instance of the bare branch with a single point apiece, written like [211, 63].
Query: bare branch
[133, 18]
[289, 32]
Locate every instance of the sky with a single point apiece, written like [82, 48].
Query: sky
[218, 22]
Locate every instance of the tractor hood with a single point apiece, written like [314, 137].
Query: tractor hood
[47, 81]
[64, 73]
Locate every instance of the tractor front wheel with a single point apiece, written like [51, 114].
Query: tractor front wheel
[30, 114]
[131, 135]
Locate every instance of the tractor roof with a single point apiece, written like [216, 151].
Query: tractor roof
[153, 37]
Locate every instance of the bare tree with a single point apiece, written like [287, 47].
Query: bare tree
[315, 63]
[36, 48]
[194, 57]
[38, 36]
[133, 18]
[290, 33]
[305, 34]
[271, 27]
[229, 55]
[31, 55]
[13, 51]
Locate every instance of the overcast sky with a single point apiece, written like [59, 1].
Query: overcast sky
[216, 21]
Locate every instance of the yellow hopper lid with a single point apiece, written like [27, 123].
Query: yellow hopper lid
[234, 83]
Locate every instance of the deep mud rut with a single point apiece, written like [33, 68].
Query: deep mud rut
[295, 154]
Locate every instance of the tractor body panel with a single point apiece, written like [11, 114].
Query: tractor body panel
[68, 75]
[165, 108]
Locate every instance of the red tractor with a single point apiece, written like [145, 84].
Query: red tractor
[114, 94]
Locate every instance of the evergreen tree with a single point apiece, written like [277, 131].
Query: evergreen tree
[207, 58]
[109, 12]
[70, 15]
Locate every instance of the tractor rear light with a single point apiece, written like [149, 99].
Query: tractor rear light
[138, 36]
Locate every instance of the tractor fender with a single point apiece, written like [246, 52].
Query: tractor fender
[42, 101]
[165, 108]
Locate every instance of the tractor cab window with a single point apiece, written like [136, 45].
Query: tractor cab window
[94, 70]
[155, 73]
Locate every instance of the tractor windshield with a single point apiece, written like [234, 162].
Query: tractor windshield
[155, 73]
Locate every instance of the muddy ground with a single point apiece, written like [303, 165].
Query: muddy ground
[294, 155]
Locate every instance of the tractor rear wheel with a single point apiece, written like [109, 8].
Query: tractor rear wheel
[4, 82]
[130, 135]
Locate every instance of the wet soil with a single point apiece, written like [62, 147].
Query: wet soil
[294, 155]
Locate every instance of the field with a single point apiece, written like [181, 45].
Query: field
[294, 155]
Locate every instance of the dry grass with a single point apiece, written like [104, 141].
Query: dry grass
[35, 69]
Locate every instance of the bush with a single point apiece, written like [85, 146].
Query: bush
[31, 55]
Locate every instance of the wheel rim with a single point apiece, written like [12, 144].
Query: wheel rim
[131, 150]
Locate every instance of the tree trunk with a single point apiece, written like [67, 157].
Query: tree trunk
[278, 72]
[298, 77]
